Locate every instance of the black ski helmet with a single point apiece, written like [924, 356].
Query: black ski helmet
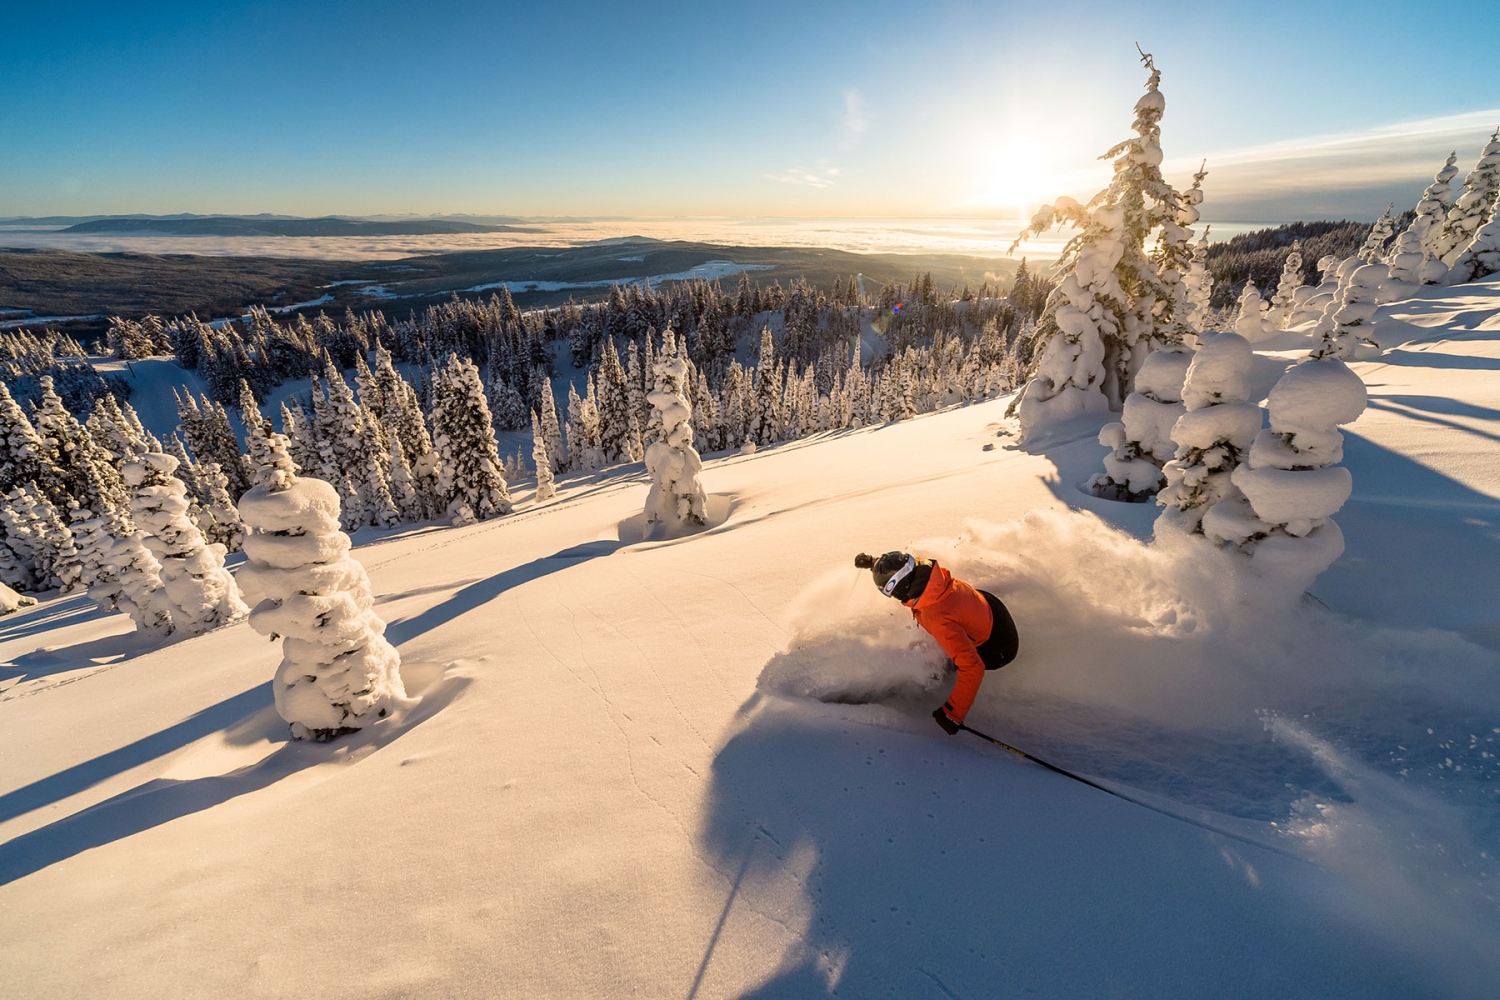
[892, 573]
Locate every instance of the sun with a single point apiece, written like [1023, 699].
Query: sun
[1014, 174]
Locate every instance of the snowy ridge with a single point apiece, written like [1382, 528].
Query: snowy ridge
[704, 766]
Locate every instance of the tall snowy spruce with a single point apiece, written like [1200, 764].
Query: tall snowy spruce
[1250, 320]
[542, 461]
[1286, 289]
[1425, 234]
[199, 590]
[338, 674]
[1481, 258]
[471, 481]
[122, 574]
[1473, 206]
[1348, 328]
[676, 499]
[1141, 443]
[1212, 435]
[1112, 304]
[1291, 482]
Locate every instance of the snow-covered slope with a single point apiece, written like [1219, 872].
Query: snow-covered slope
[705, 767]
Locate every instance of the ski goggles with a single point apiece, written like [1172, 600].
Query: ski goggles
[898, 576]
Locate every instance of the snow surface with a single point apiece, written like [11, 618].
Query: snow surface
[705, 768]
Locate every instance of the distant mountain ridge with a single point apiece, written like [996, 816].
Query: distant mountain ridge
[237, 225]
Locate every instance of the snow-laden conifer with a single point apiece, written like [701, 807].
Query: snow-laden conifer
[1311, 307]
[1481, 258]
[1291, 483]
[1374, 245]
[121, 573]
[23, 455]
[1353, 330]
[85, 471]
[1212, 435]
[117, 431]
[1473, 206]
[338, 673]
[763, 412]
[1112, 296]
[612, 400]
[1141, 443]
[635, 392]
[223, 518]
[1406, 264]
[543, 462]
[199, 590]
[552, 437]
[1200, 285]
[676, 499]
[583, 433]
[1286, 289]
[1250, 317]
[471, 482]
[1432, 208]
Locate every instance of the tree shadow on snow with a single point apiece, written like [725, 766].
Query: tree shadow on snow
[45, 661]
[1425, 359]
[1404, 514]
[481, 592]
[912, 865]
[51, 614]
[163, 800]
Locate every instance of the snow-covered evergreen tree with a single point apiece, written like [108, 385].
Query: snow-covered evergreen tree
[1200, 284]
[1291, 483]
[1473, 206]
[1374, 245]
[338, 674]
[85, 471]
[1286, 289]
[121, 573]
[1481, 258]
[199, 590]
[471, 482]
[1212, 435]
[223, 519]
[763, 416]
[1141, 443]
[616, 420]
[635, 394]
[543, 461]
[1111, 295]
[43, 553]
[23, 455]
[117, 431]
[583, 432]
[552, 437]
[1353, 332]
[676, 499]
[1250, 318]
[1431, 214]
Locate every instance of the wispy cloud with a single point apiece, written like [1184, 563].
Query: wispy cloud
[1354, 172]
[820, 178]
[856, 116]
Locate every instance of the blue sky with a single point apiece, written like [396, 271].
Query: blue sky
[768, 108]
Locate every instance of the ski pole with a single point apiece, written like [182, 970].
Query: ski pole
[1037, 760]
[1145, 805]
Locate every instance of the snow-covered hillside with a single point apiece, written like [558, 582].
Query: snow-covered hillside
[706, 767]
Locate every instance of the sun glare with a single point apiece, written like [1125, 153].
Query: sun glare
[1014, 175]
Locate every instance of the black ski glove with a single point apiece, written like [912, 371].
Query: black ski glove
[864, 561]
[949, 726]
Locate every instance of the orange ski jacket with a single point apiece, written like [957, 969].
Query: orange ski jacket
[960, 619]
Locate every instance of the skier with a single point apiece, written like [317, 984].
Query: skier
[972, 626]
